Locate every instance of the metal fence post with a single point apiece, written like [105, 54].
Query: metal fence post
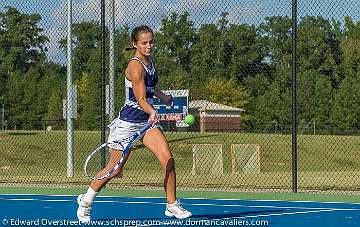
[69, 111]
[294, 124]
[103, 85]
[112, 61]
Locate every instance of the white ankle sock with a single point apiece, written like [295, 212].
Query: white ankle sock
[172, 204]
[90, 195]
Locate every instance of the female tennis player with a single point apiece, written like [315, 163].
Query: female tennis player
[140, 86]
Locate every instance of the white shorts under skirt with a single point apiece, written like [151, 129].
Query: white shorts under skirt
[120, 130]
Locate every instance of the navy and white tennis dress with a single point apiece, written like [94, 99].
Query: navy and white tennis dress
[131, 116]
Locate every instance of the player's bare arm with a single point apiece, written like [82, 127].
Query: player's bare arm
[135, 72]
[167, 99]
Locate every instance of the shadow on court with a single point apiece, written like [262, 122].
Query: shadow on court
[212, 216]
[235, 215]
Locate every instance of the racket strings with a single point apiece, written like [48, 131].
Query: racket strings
[92, 163]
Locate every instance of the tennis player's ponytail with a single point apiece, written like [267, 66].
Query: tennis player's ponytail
[127, 49]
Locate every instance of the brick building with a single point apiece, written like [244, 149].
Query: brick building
[214, 117]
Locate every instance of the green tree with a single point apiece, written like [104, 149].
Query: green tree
[205, 60]
[172, 53]
[176, 38]
[346, 107]
[350, 46]
[83, 89]
[314, 93]
[27, 99]
[33, 100]
[13, 103]
[55, 109]
[319, 47]
[276, 36]
[227, 92]
[86, 41]
[21, 44]
[256, 86]
[226, 51]
[89, 103]
[324, 95]
[275, 104]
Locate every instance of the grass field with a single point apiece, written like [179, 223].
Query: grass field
[324, 162]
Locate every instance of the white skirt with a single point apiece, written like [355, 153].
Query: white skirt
[120, 130]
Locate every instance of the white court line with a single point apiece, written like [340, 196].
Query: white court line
[288, 213]
[194, 198]
[45, 200]
[194, 204]
[104, 196]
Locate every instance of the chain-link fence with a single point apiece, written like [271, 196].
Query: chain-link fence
[233, 62]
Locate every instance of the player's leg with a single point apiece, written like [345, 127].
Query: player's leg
[155, 140]
[119, 130]
[86, 200]
[114, 158]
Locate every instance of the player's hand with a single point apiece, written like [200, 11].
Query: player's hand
[168, 100]
[154, 117]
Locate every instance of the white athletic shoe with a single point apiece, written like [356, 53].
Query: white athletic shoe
[177, 210]
[84, 209]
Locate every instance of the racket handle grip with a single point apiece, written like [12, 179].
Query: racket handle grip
[145, 128]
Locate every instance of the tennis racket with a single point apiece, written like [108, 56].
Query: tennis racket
[93, 161]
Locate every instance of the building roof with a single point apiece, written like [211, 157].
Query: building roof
[204, 105]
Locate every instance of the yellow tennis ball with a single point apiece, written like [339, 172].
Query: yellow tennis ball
[189, 119]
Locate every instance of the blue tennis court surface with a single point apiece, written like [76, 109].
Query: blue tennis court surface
[59, 210]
